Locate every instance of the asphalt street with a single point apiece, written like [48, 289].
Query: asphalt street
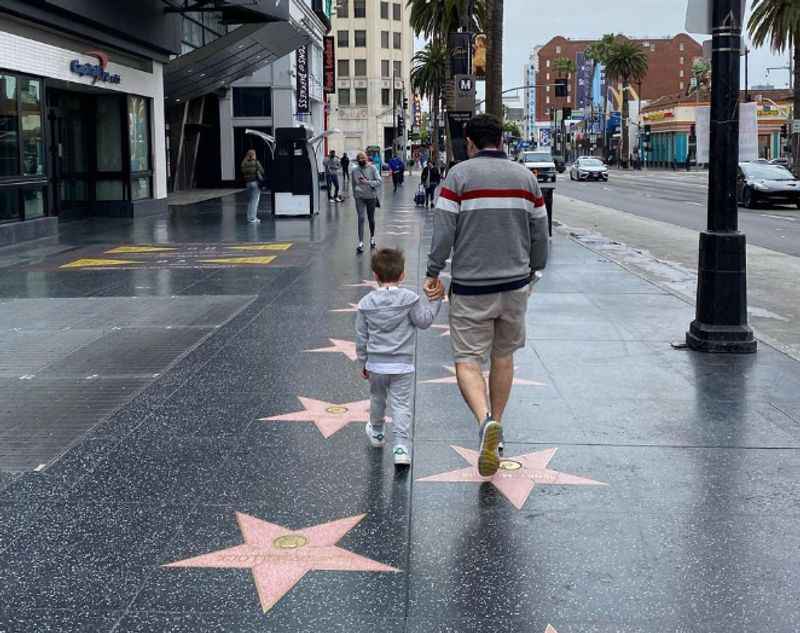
[680, 198]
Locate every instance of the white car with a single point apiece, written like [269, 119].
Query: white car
[588, 169]
[541, 164]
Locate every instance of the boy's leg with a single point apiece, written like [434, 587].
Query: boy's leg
[401, 389]
[378, 391]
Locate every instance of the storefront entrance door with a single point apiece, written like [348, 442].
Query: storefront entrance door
[70, 152]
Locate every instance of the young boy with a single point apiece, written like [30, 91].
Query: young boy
[386, 323]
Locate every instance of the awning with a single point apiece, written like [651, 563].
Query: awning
[231, 57]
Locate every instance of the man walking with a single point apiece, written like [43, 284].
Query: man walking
[397, 167]
[345, 163]
[491, 215]
[331, 166]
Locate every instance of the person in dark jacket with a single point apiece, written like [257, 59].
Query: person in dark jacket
[431, 179]
[252, 172]
[345, 162]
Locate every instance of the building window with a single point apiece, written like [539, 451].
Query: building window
[30, 101]
[547, 88]
[396, 41]
[252, 102]
[548, 100]
[397, 69]
[343, 67]
[682, 47]
[681, 74]
[384, 39]
[683, 61]
[139, 144]
[396, 11]
[558, 50]
[386, 96]
[343, 9]
[360, 68]
[359, 8]
[548, 63]
[548, 76]
[343, 39]
[360, 38]
[344, 96]
[681, 86]
[361, 96]
[385, 65]
[398, 97]
[384, 10]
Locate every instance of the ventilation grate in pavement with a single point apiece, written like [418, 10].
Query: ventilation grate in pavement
[27, 352]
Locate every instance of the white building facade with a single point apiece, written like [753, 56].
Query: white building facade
[374, 47]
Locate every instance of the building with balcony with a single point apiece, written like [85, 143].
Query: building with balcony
[374, 47]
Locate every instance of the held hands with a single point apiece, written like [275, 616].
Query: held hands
[434, 289]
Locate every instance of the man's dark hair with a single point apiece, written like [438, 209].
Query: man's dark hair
[485, 131]
[388, 264]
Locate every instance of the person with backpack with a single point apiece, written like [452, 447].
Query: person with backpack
[431, 178]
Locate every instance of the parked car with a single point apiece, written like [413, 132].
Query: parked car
[758, 182]
[541, 163]
[783, 162]
[589, 169]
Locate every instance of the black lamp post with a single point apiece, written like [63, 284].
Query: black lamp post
[721, 320]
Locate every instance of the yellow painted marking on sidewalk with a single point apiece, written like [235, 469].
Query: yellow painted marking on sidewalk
[97, 263]
[262, 247]
[239, 260]
[139, 249]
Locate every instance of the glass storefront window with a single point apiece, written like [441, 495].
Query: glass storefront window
[9, 136]
[32, 145]
[139, 133]
[108, 190]
[109, 134]
[9, 205]
[33, 203]
[30, 94]
[140, 188]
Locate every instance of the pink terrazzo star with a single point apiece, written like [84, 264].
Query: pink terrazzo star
[279, 557]
[328, 417]
[452, 380]
[348, 348]
[517, 475]
[550, 629]
[353, 308]
[444, 328]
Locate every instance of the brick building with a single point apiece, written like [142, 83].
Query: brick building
[670, 69]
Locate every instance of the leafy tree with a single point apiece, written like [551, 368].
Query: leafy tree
[428, 77]
[701, 73]
[599, 51]
[778, 22]
[626, 61]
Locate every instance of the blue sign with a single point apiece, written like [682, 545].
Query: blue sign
[96, 71]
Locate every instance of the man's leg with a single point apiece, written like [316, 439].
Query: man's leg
[361, 212]
[473, 389]
[501, 378]
[335, 181]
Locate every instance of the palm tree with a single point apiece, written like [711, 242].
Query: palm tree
[494, 58]
[778, 21]
[428, 77]
[701, 73]
[598, 51]
[626, 62]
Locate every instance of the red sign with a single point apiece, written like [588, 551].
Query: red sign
[329, 66]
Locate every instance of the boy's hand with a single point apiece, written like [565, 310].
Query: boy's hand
[365, 374]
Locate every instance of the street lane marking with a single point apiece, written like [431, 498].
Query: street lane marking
[138, 249]
[97, 263]
[778, 217]
[262, 247]
[239, 260]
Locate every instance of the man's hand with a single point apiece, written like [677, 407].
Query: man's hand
[434, 288]
[365, 374]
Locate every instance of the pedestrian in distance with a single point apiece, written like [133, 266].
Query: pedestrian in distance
[332, 166]
[386, 324]
[345, 164]
[252, 173]
[398, 167]
[431, 179]
[367, 185]
[491, 216]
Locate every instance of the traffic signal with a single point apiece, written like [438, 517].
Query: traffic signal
[405, 103]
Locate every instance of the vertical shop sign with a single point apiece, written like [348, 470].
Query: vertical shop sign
[301, 70]
[329, 66]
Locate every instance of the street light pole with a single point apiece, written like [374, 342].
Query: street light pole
[721, 318]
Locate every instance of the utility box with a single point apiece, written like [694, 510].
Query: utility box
[295, 189]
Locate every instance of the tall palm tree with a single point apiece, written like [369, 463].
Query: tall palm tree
[598, 51]
[428, 77]
[626, 62]
[494, 58]
[778, 22]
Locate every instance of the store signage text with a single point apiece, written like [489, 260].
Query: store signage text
[659, 116]
[329, 65]
[96, 71]
[302, 87]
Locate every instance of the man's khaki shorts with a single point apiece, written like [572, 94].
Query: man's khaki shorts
[484, 325]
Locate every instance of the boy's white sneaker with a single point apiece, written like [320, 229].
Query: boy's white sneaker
[376, 438]
[401, 456]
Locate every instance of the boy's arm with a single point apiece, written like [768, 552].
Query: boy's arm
[362, 337]
[424, 312]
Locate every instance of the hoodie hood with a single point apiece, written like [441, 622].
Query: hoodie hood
[386, 308]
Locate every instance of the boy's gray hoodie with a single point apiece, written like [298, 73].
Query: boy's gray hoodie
[386, 323]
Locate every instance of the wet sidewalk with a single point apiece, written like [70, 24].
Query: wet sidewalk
[191, 452]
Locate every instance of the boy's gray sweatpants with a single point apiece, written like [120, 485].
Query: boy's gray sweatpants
[394, 390]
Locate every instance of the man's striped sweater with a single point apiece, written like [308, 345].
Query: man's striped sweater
[491, 215]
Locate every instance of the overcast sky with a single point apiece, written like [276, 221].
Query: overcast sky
[532, 22]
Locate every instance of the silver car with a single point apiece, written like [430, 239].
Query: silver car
[759, 182]
[588, 169]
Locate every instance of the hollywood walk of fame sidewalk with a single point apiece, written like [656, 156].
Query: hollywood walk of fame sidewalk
[642, 489]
